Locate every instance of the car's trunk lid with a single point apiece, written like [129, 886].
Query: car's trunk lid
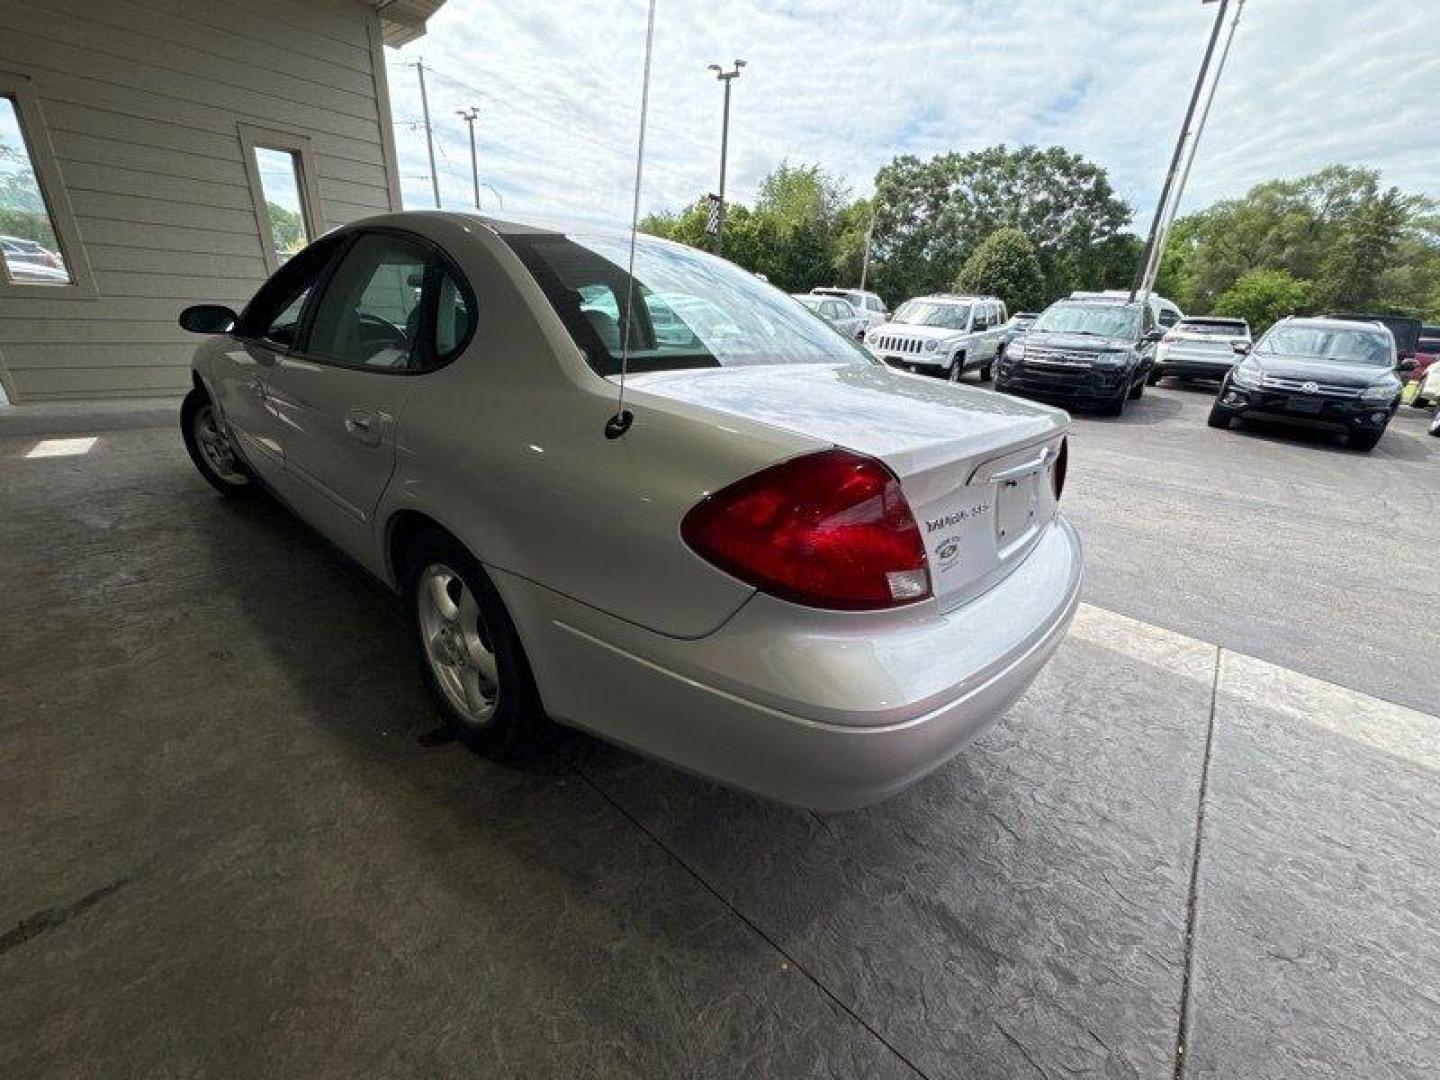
[976, 466]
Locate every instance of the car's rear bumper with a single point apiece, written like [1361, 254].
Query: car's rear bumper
[829, 711]
[1193, 369]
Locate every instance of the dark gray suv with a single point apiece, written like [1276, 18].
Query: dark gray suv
[1093, 352]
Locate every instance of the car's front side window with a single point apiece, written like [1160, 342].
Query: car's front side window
[275, 312]
[371, 312]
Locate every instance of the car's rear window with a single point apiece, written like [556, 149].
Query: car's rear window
[1218, 327]
[688, 309]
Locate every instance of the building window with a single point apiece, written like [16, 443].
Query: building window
[29, 239]
[282, 184]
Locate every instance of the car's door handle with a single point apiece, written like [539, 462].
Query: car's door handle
[365, 426]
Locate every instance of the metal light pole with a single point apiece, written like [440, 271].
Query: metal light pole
[429, 134]
[1142, 275]
[727, 77]
[865, 262]
[469, 116]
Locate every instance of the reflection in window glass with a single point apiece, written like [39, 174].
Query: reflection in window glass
[280, 188]
[27, 232]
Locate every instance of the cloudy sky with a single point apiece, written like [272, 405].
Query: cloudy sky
[852, 83]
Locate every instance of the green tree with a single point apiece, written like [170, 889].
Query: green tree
[1005, 265]
[1260, 297]
[1362, 246]
[287, 227]
[22, 210]
[932, 214]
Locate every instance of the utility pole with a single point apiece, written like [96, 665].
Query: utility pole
[1142, 276]
[727, 77]
[469, 116]
[419, 66]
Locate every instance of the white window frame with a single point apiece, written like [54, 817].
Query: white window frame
[252, 137]
[20, 89]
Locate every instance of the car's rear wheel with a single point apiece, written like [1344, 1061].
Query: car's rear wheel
[209, 446]
[470, 653]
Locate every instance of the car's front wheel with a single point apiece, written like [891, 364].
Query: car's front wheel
[1137, 390]
[1153, 379]
[1365, 441]
[956, 368]
[209, 446]
[1219, 418]
[470, 653]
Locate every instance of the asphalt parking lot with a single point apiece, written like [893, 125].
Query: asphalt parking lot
[1205, 838]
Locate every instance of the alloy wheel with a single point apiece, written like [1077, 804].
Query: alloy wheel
[215, 446]
[457, 645]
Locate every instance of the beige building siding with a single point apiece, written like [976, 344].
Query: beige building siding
[143, 101]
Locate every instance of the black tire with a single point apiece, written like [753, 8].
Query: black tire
[1137, 390]
[518, 725]
[956, 369]
[207, 444]
[1115, 406]
[987, 373]
[1365, 441]
[1153, 379]
[1219, 418]
[1435, 423]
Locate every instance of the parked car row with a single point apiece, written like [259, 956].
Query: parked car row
[1099, 350]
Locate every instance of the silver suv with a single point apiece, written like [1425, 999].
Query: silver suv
[943, 334]
[866, 303]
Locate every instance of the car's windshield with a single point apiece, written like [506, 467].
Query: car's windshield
[1097, 320]
[1212, 328]
[1335, 344]
[930, 313]
[690, 309]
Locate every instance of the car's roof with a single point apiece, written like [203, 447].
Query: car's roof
[953, 298]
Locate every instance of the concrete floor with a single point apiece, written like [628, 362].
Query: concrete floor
[236, 847]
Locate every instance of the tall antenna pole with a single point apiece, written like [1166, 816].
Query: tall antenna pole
[1153, 270]
[469, 116]
[727, 77]
[618, 424]
[1142, 271]
[419, 66]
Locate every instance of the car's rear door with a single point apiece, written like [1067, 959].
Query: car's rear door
[340, 395]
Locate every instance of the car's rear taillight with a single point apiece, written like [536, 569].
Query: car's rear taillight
[829, 530]
[1057, 477]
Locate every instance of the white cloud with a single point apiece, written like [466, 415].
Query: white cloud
[851, 85]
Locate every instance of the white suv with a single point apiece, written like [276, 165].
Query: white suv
[944, 335]
[866, 303]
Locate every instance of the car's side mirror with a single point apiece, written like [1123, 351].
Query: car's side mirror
[1155, 335]
[207, 319]
[1240, 347]
[1407, 363]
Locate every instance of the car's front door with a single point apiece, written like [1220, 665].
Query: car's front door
[267, 330]
[340, 394]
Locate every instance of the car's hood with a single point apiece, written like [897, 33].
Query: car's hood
[1073, 343]
[1329, 372]
[911, 422]
[914, 330]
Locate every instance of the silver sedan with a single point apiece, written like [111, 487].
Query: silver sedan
[783, 565]
[840, 314]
